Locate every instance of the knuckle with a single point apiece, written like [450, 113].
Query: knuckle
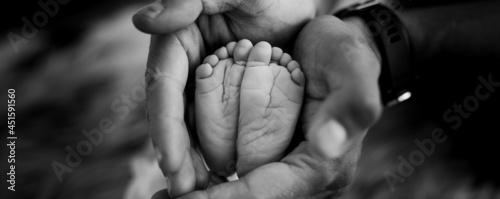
[367, 110]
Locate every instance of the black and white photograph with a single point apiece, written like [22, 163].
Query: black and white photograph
[250, 99]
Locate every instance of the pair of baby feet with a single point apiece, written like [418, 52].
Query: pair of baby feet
[247, 103]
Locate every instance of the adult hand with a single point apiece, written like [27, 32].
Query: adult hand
[342, 100]
[222, 21]
[342, 65]
[174, 54]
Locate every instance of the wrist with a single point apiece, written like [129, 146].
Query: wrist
[386, 35]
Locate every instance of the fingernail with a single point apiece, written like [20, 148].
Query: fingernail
[151, 10]
[329, 139]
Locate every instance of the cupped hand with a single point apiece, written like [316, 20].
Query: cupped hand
[222, 21]
[188, 30]
[342, 67]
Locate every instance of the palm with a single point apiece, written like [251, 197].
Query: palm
[274, 21]
[212, 31]
[297, 175]
[300, 173]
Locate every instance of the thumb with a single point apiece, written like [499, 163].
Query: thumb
[345, 116]
[330, 139]
[167, 16]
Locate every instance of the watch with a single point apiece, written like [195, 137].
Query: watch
[394, 45]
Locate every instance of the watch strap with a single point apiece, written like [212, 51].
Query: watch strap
[394, 46]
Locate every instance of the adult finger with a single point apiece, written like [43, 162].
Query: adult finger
[168, 65]
[166, 76]
[299, 175]
[168, 16]
[352, 106]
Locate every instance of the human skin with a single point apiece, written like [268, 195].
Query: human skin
[306, 172]
[223, 21]
[331, 170]
[432, 31]
[247, 103]
[173, 57]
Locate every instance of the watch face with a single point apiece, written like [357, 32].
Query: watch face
[401, 98]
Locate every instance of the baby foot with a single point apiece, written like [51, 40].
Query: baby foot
[270, 101]
[247, 100]
[217, 99]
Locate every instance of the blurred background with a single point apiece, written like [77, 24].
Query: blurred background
[89, 58]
